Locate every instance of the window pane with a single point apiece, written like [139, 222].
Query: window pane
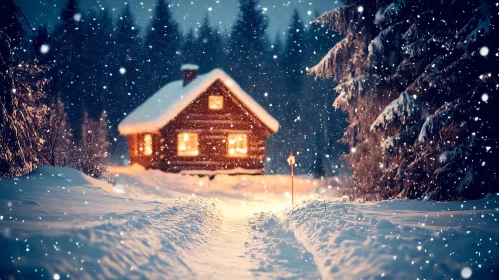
[215, 102]
[237, 145]
[187, 144]
[148, 144]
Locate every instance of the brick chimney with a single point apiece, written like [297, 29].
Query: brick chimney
[190, 72]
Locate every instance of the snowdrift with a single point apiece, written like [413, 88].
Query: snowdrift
[398, 239]
[58, 223]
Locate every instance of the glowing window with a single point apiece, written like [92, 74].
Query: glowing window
[188, 144]
[237, 145]
[147, 144]
[216, 102]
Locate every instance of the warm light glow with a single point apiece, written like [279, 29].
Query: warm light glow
[215, 102]
[135, 143]
[237, 145]
[187, 144]
[147, 144]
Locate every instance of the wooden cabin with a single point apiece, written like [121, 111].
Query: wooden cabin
[202, 124]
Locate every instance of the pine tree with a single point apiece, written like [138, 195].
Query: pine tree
[248, 47]
[124, 89]
[67, 57]
[92, 151]
[58, 145]
[11, 25]
[318, 167]
[293, 64]
[319, 96]
[210, 53]
[162, 44]
[41, 45]
[190, 49]
[97, 31]
[419, 124]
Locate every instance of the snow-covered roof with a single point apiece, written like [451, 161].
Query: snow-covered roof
[173, 98]
[192, 67]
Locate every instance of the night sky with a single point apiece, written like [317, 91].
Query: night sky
[189, 13]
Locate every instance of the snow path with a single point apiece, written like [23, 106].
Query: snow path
[240, 249]
[224, 253]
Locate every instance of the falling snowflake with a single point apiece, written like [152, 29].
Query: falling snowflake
[484, 51]
[77, 17]
[466, 272]
[44, 49]
[485, 97]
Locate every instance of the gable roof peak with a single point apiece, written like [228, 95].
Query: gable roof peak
[163, 106]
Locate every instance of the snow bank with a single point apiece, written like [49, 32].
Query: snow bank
[269, 189]
[399, 239]
[60, 222]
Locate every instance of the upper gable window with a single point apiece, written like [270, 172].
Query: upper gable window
[216, 102]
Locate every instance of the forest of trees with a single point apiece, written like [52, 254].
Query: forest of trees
[419, 85]
[94, 63]
[415, 80]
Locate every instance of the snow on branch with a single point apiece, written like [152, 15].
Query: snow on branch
[354, 87]
[455, 156]
[390, 35]
[479, 24]
[387, 14]
[336, 62]
[417, 48]
[467, 181]
[401, 109]
[435, 122]
[407, 137]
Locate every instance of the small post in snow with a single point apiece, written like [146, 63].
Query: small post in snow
[291, 161]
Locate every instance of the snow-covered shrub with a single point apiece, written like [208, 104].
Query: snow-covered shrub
[426, 125]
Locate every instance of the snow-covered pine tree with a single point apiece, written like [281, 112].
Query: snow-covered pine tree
[416, 79]
[92, 154]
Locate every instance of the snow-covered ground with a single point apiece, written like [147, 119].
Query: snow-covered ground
[57, 223]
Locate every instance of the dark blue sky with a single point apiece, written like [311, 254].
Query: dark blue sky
[189, 13]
